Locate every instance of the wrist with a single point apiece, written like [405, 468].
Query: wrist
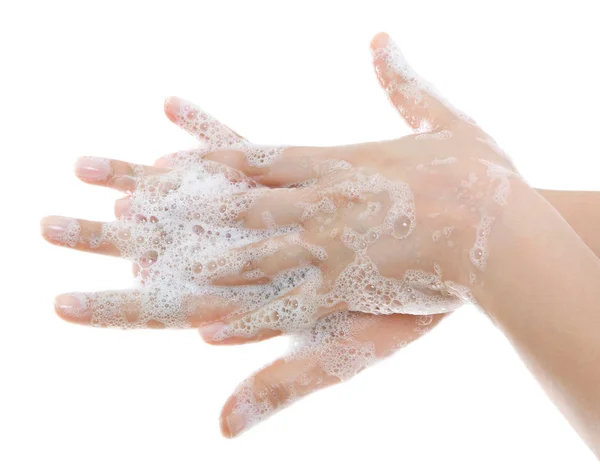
[524, 234]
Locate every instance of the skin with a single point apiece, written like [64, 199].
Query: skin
[552, 320]
[508, 294]
[553, 324]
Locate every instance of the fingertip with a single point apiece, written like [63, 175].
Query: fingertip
[44, 223]
[380, 40]
[224, 429]
[231, 424]
[92, 169]
[59, 230]
[172, 107]
[72, 309]
[210, 332]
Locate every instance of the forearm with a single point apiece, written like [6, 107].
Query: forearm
[581, 210]
[541, 289]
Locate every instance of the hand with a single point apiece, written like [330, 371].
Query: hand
[360, 339]
[357, 339]
[121, 176]
[277, 384]
[389, 227]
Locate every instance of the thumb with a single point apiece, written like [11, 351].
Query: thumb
[416, 100]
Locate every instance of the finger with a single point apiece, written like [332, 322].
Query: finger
[270, 390]
[182, 159]
[195, 159]
[123, 207]
[259, 263]
[127, 309]
[269, 208]
[100, 308]
[269, 165]
[295, 311]
[115, 174]
[82, 235]
[333, 352]
[265, 208]
[163, 162]
[200, 124]
[259, 336]
[287, 166]
[417, 101]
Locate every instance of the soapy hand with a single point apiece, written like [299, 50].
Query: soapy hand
[288, 379]
[335, 348]
[386, 227]
[393, 227]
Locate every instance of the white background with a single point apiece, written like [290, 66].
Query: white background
[89, 78]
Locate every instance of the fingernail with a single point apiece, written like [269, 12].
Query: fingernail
[234, 425]
[61, 229]
[93, 169]
[212, 331]
[70, 307]
[172, 107]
